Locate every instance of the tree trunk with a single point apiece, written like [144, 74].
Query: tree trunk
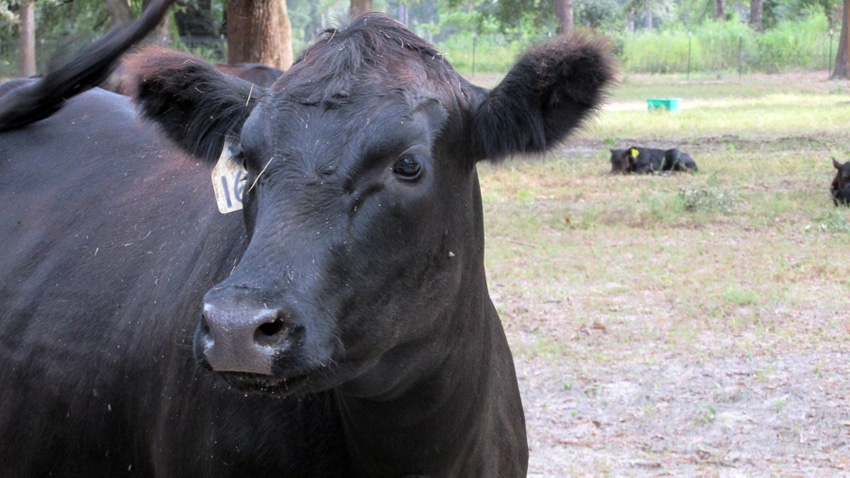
[26, 53]
[403, 13]
[648, 22]
[255, 33]
[564, 12]
[160, 36]
[285, 37]
[720, 10]
[842, 60]
[359, 7]
[119, 11]
[755, 15]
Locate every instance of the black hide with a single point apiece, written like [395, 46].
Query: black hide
[840, 187]
[340, 325]
[641, 160]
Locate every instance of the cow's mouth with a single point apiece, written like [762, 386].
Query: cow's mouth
[266, 384]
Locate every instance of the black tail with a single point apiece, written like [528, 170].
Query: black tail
[86, 70]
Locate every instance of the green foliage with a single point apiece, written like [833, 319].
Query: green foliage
[776, 12]
[736, 295]
[728, 46]
[478, 46]
[597, 14]
[705, 199]
[799, 43]
[514, 13]
[833, 221]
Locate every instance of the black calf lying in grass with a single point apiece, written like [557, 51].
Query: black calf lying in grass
[840, 188]
[649, 160]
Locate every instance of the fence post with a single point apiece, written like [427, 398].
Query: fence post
[689, 56]
[473, 54]
[740, 56]
[829, 58]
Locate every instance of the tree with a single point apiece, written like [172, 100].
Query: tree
[258, 31]
[404, 13]
[161, 35]
[755, 15]
[600, 15]
[26, 55]
[119, 11]
[530, 13]
[564, 12]
[842, 59]
[720, 10]
[359, 7]
[285, 36]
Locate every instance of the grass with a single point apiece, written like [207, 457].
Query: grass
[746, 256]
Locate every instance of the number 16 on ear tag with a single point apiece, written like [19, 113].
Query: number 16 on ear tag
[228, 179]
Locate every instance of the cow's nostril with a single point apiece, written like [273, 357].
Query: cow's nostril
[271, 333]
[203, 335]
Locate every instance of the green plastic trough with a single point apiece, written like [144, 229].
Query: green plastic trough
[664, 104]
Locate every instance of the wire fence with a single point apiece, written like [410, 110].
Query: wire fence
[741, 54]
[53, 52]
[474, 54]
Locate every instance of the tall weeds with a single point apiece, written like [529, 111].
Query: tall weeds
[729, 47]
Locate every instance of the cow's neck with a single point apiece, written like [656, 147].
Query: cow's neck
[441, 421]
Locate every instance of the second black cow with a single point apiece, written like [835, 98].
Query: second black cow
[840, 187]
[641, 160]
[339, 325]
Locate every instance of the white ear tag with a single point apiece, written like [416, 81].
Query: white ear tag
[228, 179]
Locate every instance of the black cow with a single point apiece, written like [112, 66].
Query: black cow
[341, 324]
[840, 188]
[650, 160]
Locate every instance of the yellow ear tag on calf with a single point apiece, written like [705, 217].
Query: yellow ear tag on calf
[228, 180]
[634, 152]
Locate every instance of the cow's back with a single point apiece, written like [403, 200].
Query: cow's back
[110, 240]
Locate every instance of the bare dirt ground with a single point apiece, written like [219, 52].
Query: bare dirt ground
[618, 401]
[672, 416]
[618, 379]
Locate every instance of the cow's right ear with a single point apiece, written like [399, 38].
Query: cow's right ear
[547, 94]
[196, 105]
[836, 164]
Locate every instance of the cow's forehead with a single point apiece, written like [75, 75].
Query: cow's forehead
[343, 133]
[372, 55]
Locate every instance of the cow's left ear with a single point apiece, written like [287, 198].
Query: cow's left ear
[197, 106]
[547, 94]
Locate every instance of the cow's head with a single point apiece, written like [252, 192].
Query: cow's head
[361, 200]
[840, 187]
[622, 161]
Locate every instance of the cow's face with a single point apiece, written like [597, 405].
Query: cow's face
[360, 223]
[365, 260]
[621, 161]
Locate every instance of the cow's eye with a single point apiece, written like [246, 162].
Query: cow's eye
[408, 168]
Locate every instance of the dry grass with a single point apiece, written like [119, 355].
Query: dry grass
[598, 275]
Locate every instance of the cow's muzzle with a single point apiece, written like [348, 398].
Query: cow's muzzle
[236, 337]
